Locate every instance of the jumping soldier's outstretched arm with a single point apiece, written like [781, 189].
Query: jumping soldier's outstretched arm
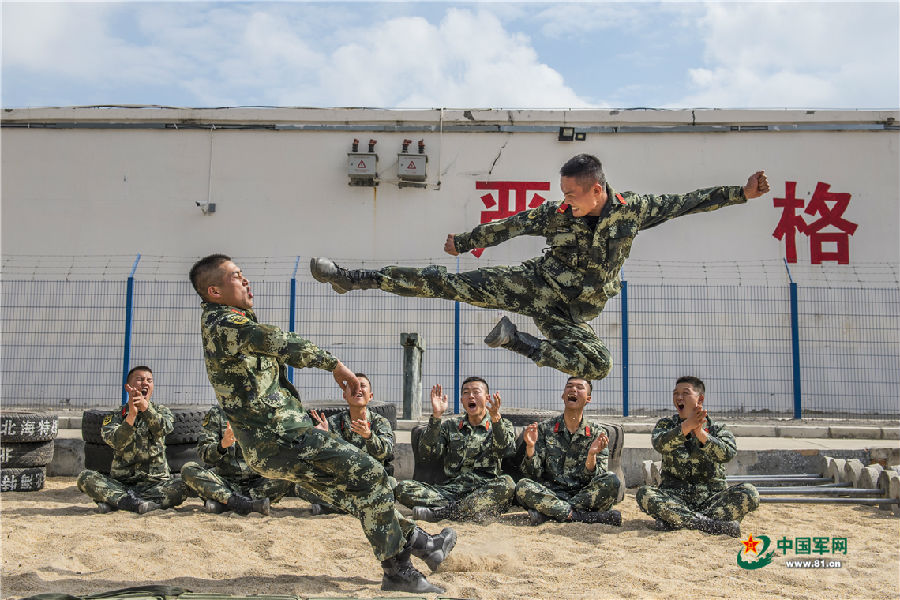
[528, 222]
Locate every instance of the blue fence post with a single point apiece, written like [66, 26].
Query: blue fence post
[456, 351]
[795, 344]
[293, 304]
[624, 307]
[129, 314]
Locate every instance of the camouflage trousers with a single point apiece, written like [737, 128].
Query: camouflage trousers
[209, 485]
[167, 492]
[313, 499]
[345, 477]
[678, 505]
[475, 498]
[598, 495]
[571, 346]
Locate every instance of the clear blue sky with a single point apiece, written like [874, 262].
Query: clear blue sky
[463, 55]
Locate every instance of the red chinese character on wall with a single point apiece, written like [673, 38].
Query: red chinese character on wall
[505, 207]
[829, 215]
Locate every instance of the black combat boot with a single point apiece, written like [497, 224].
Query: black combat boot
[243, 505]
[433, 549]
[105, 507]
[715, 526]
[506, 335]
[343, 280]
[661, 525]
[401, 576]
[609, 517]
[214, 506]
[131, 502]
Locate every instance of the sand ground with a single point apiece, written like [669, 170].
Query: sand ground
[54, 541]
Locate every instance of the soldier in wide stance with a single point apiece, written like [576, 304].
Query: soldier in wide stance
[246, 364]
[590, 235]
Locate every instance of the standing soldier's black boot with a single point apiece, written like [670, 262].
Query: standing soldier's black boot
[401, 576]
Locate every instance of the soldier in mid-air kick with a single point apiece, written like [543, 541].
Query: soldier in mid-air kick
[589, 232]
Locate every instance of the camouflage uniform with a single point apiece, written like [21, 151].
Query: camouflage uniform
[228, 473]
[568, 286]
[693, 477]
[380, 446]
[471, 457]
[245, 362]
[556, 480]
[139, 460]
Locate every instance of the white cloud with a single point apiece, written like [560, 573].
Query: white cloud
[278, 54]
[820, 55]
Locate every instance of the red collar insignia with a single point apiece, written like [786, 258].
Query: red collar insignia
[621, 199]
[562, 208]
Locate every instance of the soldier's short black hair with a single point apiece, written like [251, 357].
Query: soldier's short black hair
[584, 379]
[138, 368]
[366, 377]
[205, 272]
[694, 382]
[475, 378]
[586, 169]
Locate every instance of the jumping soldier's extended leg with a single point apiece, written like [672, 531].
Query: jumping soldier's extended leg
[664, 505]
[571, 345]
[537, 496]
[599, 495]
[733, 503]
[343, 476]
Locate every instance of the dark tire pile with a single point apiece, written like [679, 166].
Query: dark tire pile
[26, 448]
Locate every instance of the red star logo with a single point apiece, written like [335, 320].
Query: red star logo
[750, 544]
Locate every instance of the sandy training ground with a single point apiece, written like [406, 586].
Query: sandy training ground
[54, 541]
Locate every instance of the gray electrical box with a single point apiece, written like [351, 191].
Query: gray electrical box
[361, 167]
[411, 167]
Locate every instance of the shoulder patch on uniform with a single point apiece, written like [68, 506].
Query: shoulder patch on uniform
[107, 419]
[236, 319]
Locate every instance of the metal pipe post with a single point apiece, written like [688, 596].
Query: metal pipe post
[129, 315]
[412, 375]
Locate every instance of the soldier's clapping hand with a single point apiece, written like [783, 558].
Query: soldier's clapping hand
[493, 407]
[321, 422]
[530, 437]
[599, 445]
[361, 426]
[228, 436]
[438, 401]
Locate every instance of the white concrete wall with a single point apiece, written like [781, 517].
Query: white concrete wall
[284, 192]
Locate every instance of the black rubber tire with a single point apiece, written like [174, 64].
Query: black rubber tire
[26, 454]
[326, 409]
[28, 479]
[187, 425]
[28, 427]
[179, 454]
[426, 471]
[98, 457]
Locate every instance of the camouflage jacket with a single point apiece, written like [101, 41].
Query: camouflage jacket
[584, 263]
[559, 456]
[139, 450]
[685, 461]
[380, 446]
[227, 462]
[466, 450]
[245, 362]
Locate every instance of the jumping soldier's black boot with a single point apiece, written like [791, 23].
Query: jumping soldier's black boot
[401, 576]
[506, 335]
[609, 517]
[343, 280]
[715, 526]
[433, 549]
[244, 506]
[131, 502]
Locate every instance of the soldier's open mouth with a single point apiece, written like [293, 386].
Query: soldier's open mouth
[571, 398]
[471, 404]
[679, 406]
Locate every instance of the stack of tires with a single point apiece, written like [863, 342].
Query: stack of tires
[26, 448]
[181, 444]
